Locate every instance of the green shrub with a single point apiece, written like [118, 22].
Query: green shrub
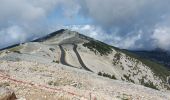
[106, 75]
[150, 85]
[17, 52]
[56, 61]
[53, 83]
[52, 49]
[99, 47]
[15, 49]
[117, 56]
[50, 83]
[128, 78]
[116, 59]
[113, 77]
[147, 84]
[100, 74]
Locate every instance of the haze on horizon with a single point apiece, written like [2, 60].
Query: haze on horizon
[128, 24]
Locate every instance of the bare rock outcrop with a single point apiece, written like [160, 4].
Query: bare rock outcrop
[7, 94]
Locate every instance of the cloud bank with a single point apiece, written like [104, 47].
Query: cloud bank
[138, 24]
[129, 24]
[22, 20]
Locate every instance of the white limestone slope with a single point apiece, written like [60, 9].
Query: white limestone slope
[127, 68]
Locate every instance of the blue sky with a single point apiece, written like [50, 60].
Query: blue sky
[128, 24]
[58, 17]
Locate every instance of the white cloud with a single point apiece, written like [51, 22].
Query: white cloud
[119, 12]
[161, 37]
[18, 35]
[22, 19]
[133, 21]
[92, 31]
[112, 38]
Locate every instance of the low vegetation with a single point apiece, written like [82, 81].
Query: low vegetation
[148, 84]
[15, 49]
[106, 75]
[56, 61]
[128, 78]
[53, 83]
[52, 49]
[157, 69]
[116, 59]
[98, 47]
[117, 56]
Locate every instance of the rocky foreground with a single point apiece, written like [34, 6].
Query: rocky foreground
[6, 94]
[34, 81]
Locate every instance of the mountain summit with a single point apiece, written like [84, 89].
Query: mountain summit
[66, 65]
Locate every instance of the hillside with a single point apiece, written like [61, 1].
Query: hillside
[160, 56]
[68, 65]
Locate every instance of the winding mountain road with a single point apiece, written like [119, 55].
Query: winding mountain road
[64, 62]
[62, 58]
[79, 58]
